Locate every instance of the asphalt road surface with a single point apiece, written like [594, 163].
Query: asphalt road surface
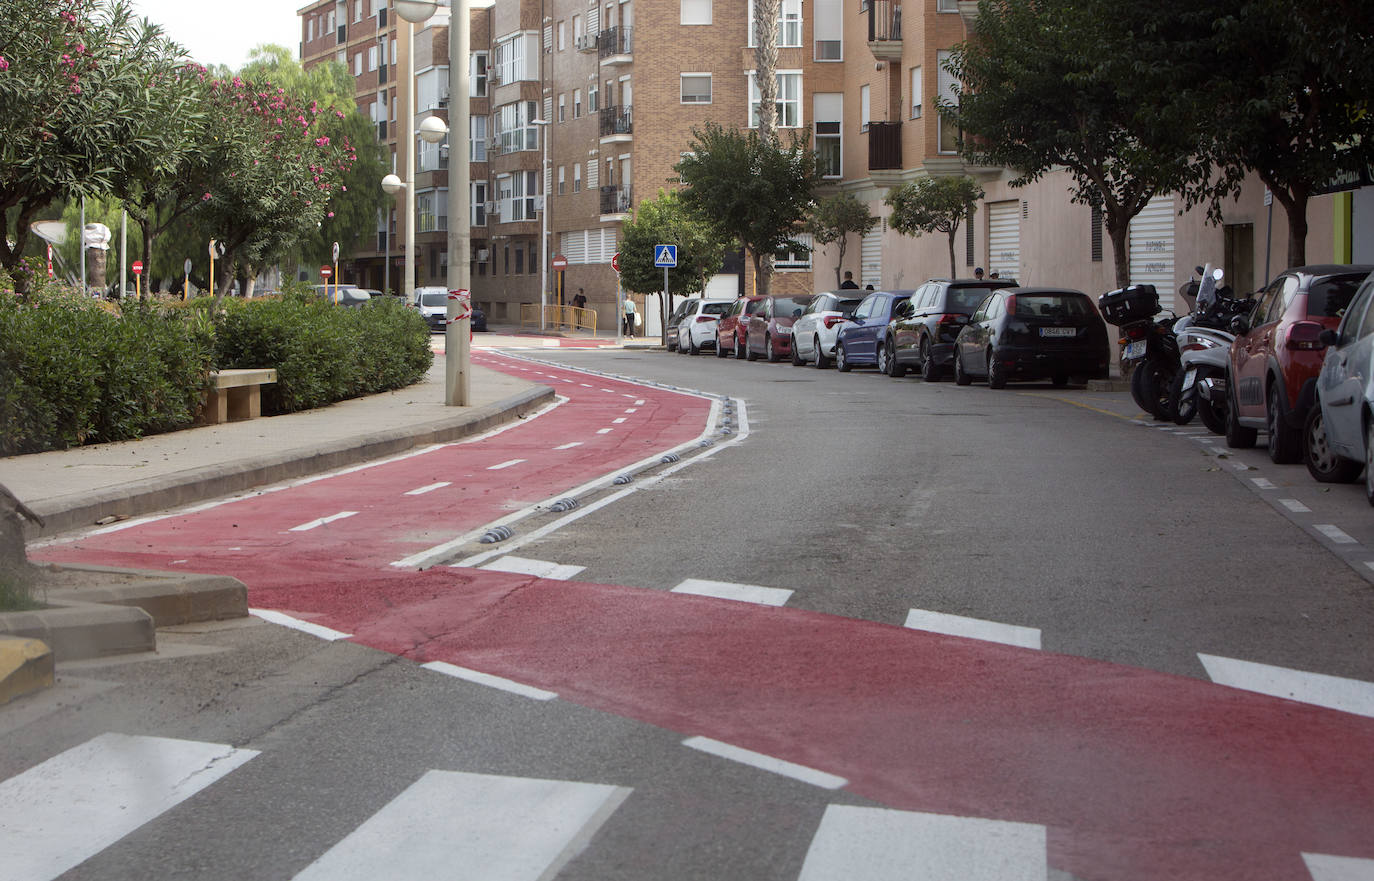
[824, 626]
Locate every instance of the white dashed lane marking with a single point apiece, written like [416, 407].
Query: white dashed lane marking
[419, 491]
[313, 524]
[503, 465]
[537, 568]
[973, 628]
[1295, 506]
[766, 763]
[317, 630]
[1334, 692]
[1325, 867]
[569, 446]
[727, 590]
[604, 430]
[486, 679]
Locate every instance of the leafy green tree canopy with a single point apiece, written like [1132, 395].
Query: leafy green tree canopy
[834, 219]
[934, 204]
[750, 191]
[666, 220]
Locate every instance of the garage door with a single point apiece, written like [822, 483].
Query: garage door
[871, 257]
[1151, 243]
[723, 286]
[1004, 239]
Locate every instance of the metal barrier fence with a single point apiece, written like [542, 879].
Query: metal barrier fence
[558, 317]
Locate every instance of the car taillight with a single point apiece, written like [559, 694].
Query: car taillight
[1011, 304]
[832, 320]
[953, 318]
[1304, 335]
[701, 318]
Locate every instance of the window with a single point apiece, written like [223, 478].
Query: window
[357, 10]
[562, 35]
[696, 88]
[577, 103]
[562, 108]
[477, 125]
[309, 29]
[479, 203]
[517, 58]
[789, 24]
[593, 99]
[477, 75]
[358, 64]
[519, 261]
[948, 92]
[797, 258]
[947, 6]
[916, 93]
[829, 26]
[788, 101]
[576, 27]
[431, 210]
[865, 107]
[696, 12]
[828, 112]
[562, 179]
[513, 130]
[577, 178]
[372, 58]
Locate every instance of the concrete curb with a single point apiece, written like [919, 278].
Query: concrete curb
[76, 630]
[26, 666]
[66, 513]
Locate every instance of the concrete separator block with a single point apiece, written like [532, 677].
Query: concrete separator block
[26, 666]
[84, 630]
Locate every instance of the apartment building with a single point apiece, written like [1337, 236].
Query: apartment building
[580, 109]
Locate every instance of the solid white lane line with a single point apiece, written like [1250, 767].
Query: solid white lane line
[479, 678]
[62, 812]
[429, 489]
[880, 844]
[322, 521]
[537, 568]
[618, 420]
[322, 632]
[728, 590]
[1262, 482]
[569, 446]
[604, 430]
[505, 464]
[632, 410]
[1335, 692]
[765, 763]
[973, 628]
[1335, 533]
[1325, 867]
[1295, 506]
[450, 823]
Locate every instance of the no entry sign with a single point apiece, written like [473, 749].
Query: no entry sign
[137, 267]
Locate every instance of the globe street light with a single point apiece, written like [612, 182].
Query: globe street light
[412, 11]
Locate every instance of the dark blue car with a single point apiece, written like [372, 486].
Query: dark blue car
[860, 342]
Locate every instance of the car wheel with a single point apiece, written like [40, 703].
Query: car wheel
[796, 354]
[1184, 403]
[821, 362]
[1323, 464]
[773, 356]
[929, 372]
[720, 349]
[748, 352]
[692, 347]
[960, 377]
[1284, 439]
[1369, 461]
[1238, 437]
[997, 372]
[894, 369]
[841, 359]
[741, 347]
[1059, 380]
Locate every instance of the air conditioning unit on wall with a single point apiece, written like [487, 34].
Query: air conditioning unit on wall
[483, 255]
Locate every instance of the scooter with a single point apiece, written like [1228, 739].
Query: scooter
[1149, 345]
[1204, 342]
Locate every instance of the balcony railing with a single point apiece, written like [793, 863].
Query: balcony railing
[617, 120]
[615, 41]
[615, 200]
[884, 20]
[884, 145]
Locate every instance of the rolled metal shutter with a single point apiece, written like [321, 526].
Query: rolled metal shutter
[1151, 243]
[1004, 239]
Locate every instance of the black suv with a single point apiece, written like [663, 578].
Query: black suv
[921, 334]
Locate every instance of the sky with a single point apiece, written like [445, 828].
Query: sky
[224, 33]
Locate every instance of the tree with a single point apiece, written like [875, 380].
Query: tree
[749, 191]
[1289, 97]
[934, 204]
[1092, 86]
[665, 220]
[84, 93]
[835, 218]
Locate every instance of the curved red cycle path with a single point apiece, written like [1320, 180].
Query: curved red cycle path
[1137, 775]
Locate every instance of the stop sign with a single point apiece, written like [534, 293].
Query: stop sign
[325, 272]
[137, 267]
[560, 262]
[615, 261]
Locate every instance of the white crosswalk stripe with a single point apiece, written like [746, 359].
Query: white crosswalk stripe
[1324, 867]
[62, 812]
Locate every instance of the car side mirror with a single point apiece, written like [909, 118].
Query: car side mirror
[1328, 337]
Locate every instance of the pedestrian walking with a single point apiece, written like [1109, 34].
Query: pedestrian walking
[629, 317]
[580, 301]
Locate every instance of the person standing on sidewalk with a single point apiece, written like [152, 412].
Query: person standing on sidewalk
[629, 317]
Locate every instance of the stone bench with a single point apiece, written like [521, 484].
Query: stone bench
[235, 394]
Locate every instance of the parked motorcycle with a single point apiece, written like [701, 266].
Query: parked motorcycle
[1149, 345]
[1204, 342]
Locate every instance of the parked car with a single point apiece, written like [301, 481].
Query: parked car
[921, 335]
[433, 305]
[697, 329]
[815, 332]
[734, 327]
[1032, 333]
[674, 319]
[1275, 359]
[342, 294]
[1338, 434]
[770, 326]
[860, 342]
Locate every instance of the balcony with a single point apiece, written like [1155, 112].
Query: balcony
[884, 146]
[617, 124]
[885, 29]
[615, 45]
[614, 201]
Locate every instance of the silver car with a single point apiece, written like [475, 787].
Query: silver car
[814, 333]
[1338, 436]
[696, 329]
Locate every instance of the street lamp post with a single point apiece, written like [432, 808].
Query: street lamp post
[543, 224]
[412, 11]
[457, 329]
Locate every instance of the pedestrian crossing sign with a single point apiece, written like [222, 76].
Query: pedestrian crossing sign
[665, 255]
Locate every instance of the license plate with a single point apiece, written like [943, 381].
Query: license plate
[1059, 331]
[1135, 350]
[1189, 378]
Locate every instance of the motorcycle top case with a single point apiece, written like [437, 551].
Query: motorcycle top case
[1135, 303]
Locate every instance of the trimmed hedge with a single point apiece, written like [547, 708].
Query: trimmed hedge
[74, 370]
[323, 353]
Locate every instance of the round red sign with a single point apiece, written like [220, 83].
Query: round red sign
[325, 272]
[137, 267]
[560, 262]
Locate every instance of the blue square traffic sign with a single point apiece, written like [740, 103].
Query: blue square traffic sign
[665, 255]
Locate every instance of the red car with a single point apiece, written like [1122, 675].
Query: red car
[770, 326]
[1271, 381]
[733, 328]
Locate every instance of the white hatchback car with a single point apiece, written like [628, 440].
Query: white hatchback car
[696, 329]
[814, 334]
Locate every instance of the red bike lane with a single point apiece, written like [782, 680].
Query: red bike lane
[1136, 774]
